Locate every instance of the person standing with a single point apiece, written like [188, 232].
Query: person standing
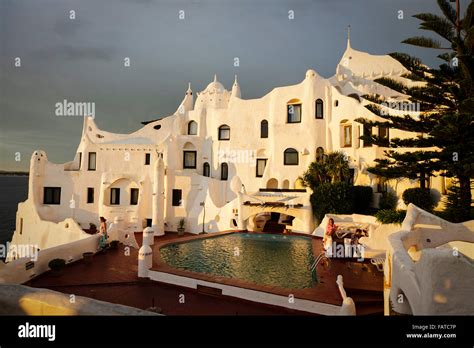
[103, 232]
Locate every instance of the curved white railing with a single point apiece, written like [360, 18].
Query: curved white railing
[348, 305]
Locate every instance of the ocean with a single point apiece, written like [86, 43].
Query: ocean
[14, 189]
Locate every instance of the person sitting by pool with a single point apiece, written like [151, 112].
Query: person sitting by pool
[331, 228]
[103, 232]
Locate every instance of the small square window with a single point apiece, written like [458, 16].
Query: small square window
[177, 197]
[134, 196]
[92, 161]
[90, 195]
[294, 113]
[114, 196]
[261, 164]
[189, 159]
[52, 195]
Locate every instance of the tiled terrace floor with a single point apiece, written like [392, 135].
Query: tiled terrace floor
[112, 277]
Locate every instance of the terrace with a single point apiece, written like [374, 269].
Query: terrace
[113, 277]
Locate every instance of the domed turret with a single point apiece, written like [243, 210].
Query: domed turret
[214, 95]
[214, 87]
[235, 89]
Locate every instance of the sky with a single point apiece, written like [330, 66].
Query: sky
[82, 59]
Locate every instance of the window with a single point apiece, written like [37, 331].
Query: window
[177, 197]
[189, 159]
[367, 132]
[382, 185]
[224, 171]
[206, 169]
[52, 195]
[147, 159]
[347, 136]
[291, 157]
[148, 222]
[264, 129]
[261, 164]
[90, 195]
[224, 132]
[134, 196]
[92, 161]
[336, 103]
[319, 109]
[192, 128]
[319, 155]
[294, 113]
[384, 136]
[80, 160]
[114, 196]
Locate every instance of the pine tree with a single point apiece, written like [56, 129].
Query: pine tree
[443, 134]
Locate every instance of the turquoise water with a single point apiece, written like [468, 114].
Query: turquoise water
[275, 260]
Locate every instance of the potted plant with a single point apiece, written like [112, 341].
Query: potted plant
[87, 256]
[57, 266]
[92, 228]
[181, 227]
[113, 245]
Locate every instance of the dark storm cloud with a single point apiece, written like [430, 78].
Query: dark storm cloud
[68, 52]
[82, 59]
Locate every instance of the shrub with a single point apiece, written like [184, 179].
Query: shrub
[57, 264]
[362, 199]
[390, 216]
[332, 198]
[388, 201]
[419, 197]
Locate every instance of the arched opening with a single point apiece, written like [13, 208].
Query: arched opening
[286, 184]
[319, 109]
[224, 171]
[224, 132]
[264, 129]
[290, 157]
[206, 169]
[319, 154]
[192, 128]
[272, 183]
[299, 184]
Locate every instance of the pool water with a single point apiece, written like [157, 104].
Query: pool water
[275, 260]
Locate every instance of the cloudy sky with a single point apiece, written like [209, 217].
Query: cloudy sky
[82, 59]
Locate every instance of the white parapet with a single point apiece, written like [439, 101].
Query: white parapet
[430, 270]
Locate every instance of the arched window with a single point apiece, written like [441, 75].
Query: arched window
[319, 154]
[224, 171]
[293, 111]
[291, 157]
[192, 128]
[224, 132]
[319, 109]
[264, 129]
[206, 169]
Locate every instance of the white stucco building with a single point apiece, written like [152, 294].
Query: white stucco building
[219, 161]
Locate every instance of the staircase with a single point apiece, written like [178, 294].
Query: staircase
[367, 302]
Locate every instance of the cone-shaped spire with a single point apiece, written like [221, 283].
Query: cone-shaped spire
[348, 36]
[235, 88]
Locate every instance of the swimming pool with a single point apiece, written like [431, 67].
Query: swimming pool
[274, 260]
